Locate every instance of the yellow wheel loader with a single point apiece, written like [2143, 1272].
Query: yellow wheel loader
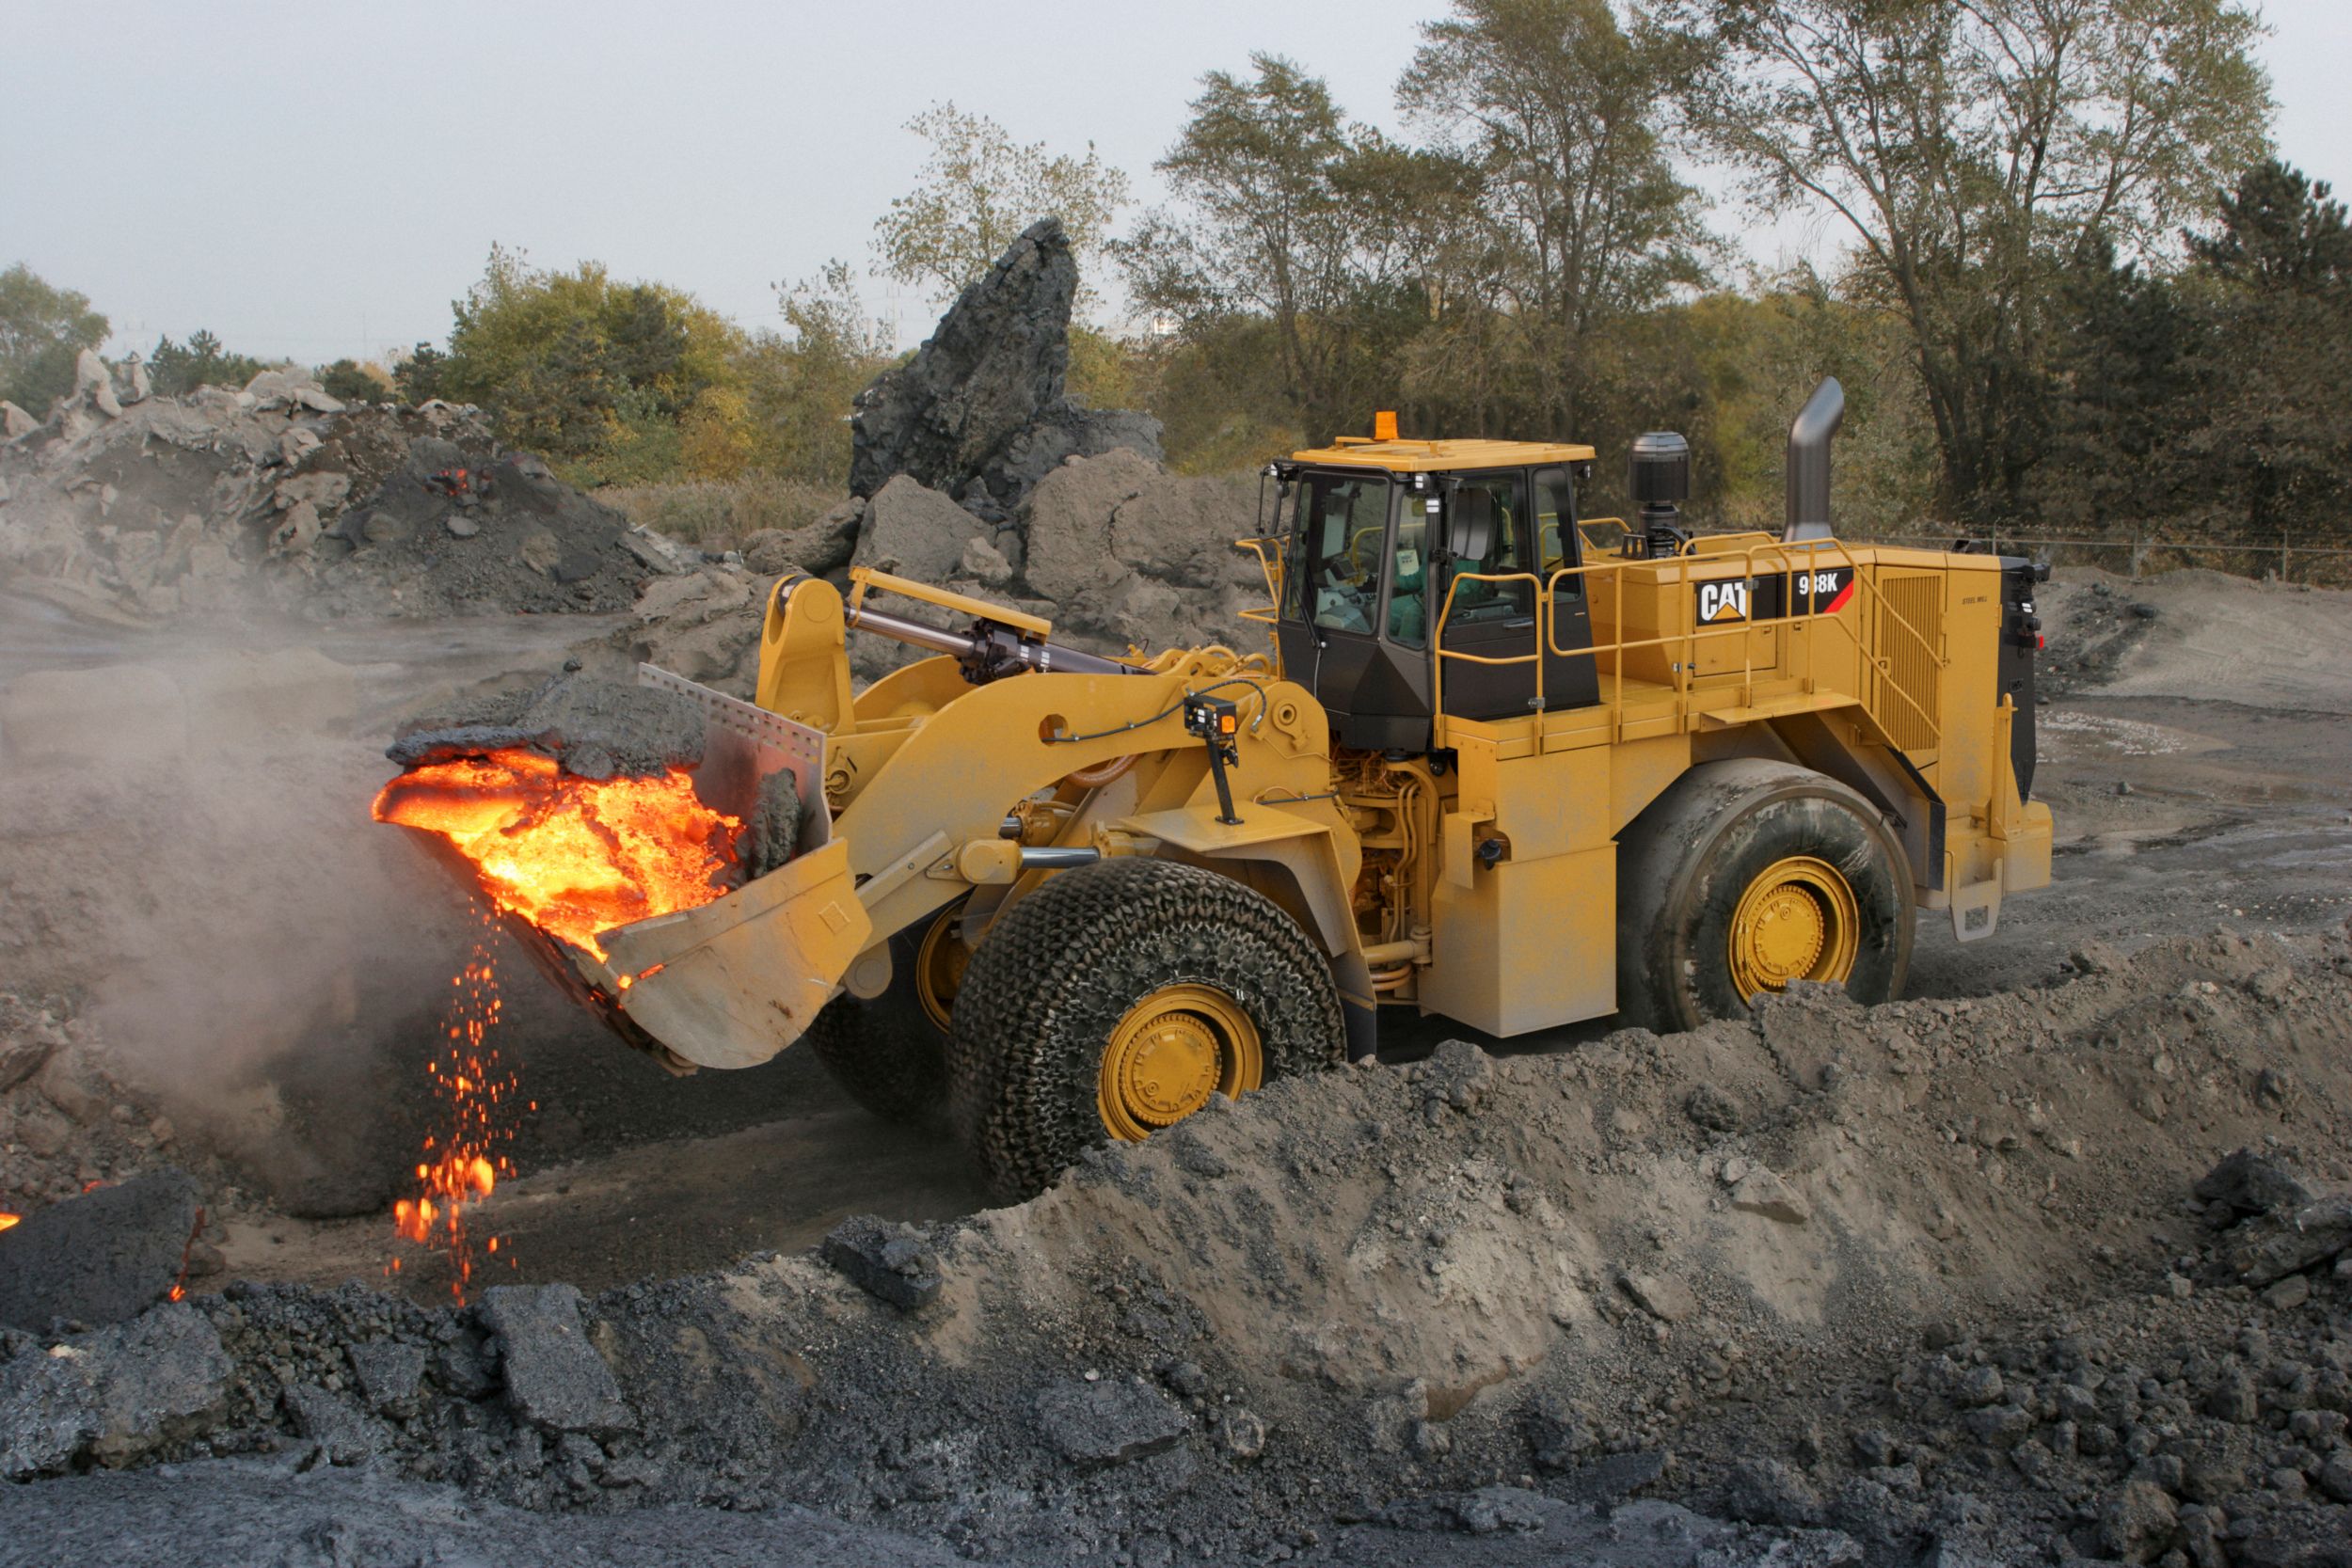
[1503, 763]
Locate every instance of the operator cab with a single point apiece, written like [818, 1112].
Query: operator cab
[1377, 533]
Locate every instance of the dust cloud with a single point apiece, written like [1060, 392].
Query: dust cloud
[185, 854]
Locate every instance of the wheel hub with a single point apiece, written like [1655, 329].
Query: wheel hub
[1174, 1050]
[1798, 920]
[939, 966]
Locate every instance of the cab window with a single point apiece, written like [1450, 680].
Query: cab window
[1555, 527]
[1408, 577]
[1499, 499]
[1340, 536]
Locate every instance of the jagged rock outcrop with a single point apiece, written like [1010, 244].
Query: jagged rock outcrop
[981, 413]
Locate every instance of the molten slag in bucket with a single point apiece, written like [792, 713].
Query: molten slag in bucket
[573, 856]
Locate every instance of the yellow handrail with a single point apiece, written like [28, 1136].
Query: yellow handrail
[1784, 557]
[1445, 612]
[1269, 554]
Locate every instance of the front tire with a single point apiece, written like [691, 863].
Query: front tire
[1747, 874]
[1114, 1001]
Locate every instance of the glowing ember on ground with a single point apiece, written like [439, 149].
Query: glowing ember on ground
[8, 1220]
[573, 856]
[475, 1094]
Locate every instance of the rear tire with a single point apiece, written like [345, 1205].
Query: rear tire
[889, 1054]
[1747, 873]
[1114, 1000]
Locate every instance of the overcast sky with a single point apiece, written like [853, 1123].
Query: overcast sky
[314, 180]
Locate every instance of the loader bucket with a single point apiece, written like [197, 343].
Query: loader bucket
[729, 983]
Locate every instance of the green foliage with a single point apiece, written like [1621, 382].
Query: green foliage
[1218, 392]
[418, 377]
[42, 330]
[2214, 407]
[978, 191]
[1976, 151]
[2278, 440]
[798, 384]
[1291, 216]
[178, 370]
[1747, 362]
[719, 515]
[1570, 221]
[353, 382]
[594, 374]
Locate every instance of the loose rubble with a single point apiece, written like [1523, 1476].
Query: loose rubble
[101, 1256]
[1840, 1285]
[137, 508]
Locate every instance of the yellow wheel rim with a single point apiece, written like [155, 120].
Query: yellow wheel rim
[939, 966]
[1174, 1050]
[1798, 921]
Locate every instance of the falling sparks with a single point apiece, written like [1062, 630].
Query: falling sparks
[461, 1161]
[574, 856]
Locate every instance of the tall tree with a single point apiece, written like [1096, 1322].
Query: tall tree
[1577, 220]
[2277, 397]
[1291, 220]
[42, 329]
[2125, 365]
[978, 191]
[1975, 150]
[2212, 407]
[802, 382]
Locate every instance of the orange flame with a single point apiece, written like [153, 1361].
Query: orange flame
[573, 856]
[7, 1221]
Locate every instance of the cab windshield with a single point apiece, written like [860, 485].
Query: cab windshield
[1338, 533]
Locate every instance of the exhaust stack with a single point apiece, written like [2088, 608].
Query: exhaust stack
[1808, 462]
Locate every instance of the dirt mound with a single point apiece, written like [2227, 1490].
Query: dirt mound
[1700, 1269]
[144, 508]
[2264, 644]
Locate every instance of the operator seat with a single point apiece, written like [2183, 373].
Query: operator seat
[1476, 515]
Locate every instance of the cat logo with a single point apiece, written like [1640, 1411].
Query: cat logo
[1722, 601]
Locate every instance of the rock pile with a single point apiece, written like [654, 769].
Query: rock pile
[66, 1124]
[137, 507]
[1749, 1270]
[1115, 550]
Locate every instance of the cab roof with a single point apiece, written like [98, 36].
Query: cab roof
[1416, 457]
